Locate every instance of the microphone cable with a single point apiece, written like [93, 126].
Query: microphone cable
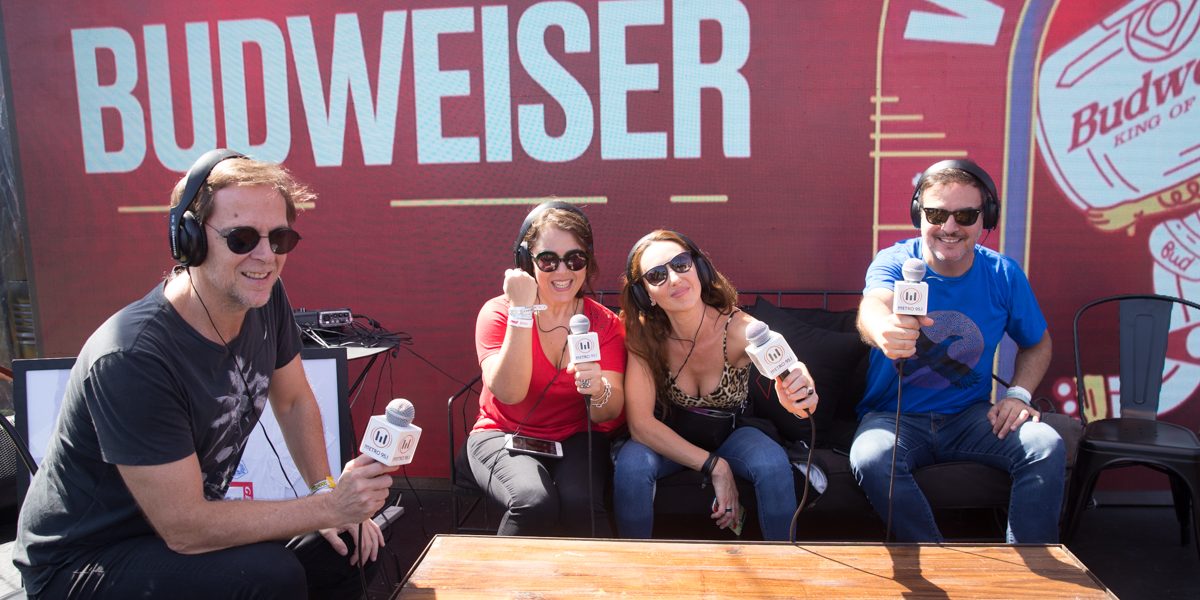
[245, 382]
[812, 446]
[494, 456]
[362, 578]
[887, 532]
[812, 443]
[587, 419]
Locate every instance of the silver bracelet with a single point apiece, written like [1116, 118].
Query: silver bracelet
[599, 400]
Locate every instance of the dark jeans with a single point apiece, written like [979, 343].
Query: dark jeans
[144, 567]
[543, 495]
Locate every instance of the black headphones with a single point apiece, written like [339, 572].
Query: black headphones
[637, 289]
[991, 204]
[189, 245]
[521, 254]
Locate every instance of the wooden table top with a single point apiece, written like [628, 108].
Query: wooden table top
[458, 566]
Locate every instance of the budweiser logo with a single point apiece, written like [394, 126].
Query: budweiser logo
[1094, 118]
[1120, 157]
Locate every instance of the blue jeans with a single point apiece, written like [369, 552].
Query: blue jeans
[751, 455]
[1034, 455]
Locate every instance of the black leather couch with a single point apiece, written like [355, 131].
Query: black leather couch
[829, 344]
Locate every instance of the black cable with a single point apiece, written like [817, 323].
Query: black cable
[420, 506]
[435, 367]
[362, 579]
[887, 532]
[812, 446]
[587, 419]
[278, 460]
[245, 382]
[520, 424]
[362, 574]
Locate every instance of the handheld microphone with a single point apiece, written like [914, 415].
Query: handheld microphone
[911, 298]
[392, 439]
[768, 350]
[911, 295]
[584, 344]
[585, 348]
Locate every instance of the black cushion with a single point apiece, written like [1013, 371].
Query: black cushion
[829, 344]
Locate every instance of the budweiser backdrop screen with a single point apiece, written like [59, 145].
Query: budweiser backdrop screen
[783, 137]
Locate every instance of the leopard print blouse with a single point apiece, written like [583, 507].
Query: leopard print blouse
[730, 393]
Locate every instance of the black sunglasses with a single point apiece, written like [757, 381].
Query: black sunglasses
[656, 276]
[243, 240]
[963, 216]
[576, 260]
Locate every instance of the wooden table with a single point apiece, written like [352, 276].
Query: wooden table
[457, 566]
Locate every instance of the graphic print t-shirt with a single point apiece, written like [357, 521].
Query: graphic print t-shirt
[147, 389]
[952, 368]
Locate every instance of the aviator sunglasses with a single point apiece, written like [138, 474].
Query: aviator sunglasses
[243, 239]
[575, 260]
[656, 276]
[964, 216]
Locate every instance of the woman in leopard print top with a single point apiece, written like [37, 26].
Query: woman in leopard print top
[687, 372]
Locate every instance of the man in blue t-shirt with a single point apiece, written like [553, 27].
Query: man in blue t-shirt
[944, 361]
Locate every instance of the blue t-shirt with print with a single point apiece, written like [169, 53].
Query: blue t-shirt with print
[952, 368]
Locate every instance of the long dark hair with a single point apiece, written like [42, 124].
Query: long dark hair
[646, 332]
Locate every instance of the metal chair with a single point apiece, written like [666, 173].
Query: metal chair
[464, 492]
[1136, 436]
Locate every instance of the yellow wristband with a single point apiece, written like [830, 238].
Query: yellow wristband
[322, 486]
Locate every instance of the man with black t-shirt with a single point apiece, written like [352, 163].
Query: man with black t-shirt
[129, 500]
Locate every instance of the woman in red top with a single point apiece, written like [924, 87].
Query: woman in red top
[532, 389]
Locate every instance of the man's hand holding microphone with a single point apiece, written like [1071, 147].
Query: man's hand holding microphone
[895, 332]
[389, 441]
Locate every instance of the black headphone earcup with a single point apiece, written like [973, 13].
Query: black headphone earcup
[523, 259]
[641, 298]
[193, 244]
[991, 213]
[914, 210]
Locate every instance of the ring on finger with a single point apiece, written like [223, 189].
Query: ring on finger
[585, 384]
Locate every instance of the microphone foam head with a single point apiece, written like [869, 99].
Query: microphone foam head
[913, 269]
[580, 324]
[400, 412]
[757, 333]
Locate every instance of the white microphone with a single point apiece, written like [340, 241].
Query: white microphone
[911, 296]
[584, 344]
[392, 439]
[771, 353]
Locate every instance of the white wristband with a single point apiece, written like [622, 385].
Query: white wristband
[514, 321]
[520, 316]
[1019, 393]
